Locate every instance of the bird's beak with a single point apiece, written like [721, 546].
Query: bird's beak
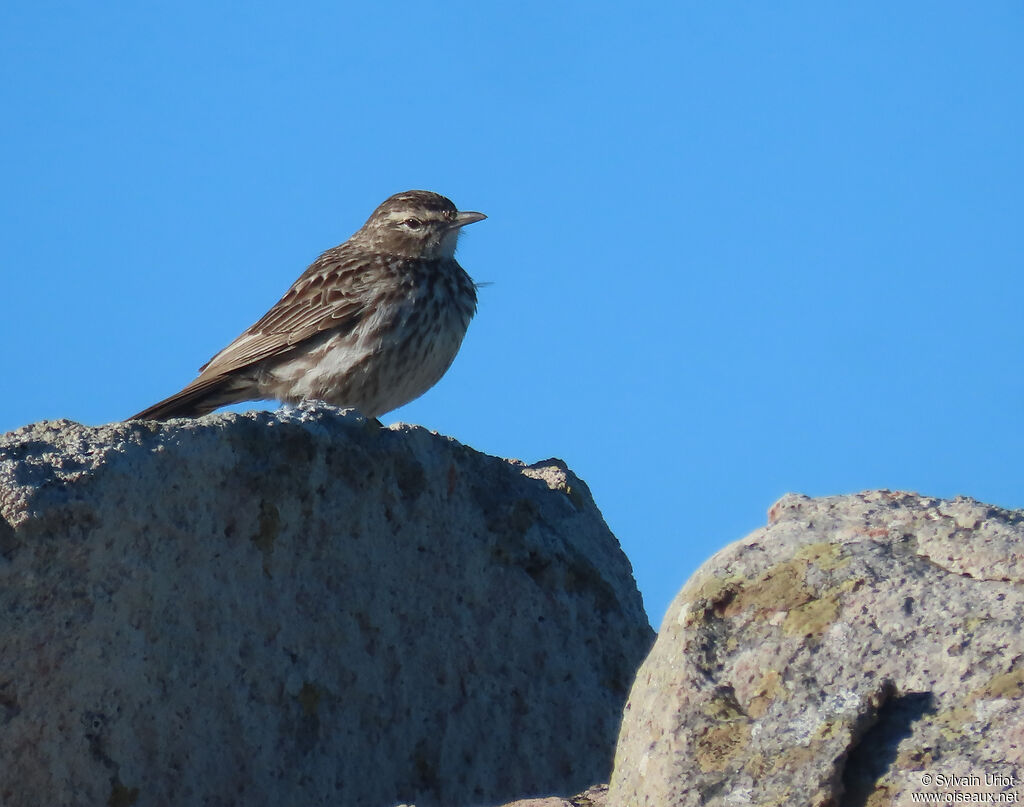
[465, 217]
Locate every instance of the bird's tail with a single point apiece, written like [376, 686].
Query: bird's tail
[200, 397]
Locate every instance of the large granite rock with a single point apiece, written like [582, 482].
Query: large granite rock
[859, 651]
[302, 608]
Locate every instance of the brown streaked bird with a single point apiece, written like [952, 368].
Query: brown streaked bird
[371, 324]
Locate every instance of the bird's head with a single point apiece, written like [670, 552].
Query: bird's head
[415, 224]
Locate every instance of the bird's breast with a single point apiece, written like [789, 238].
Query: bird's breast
[405, 341]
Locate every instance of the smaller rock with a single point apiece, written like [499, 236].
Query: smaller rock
[860, 650]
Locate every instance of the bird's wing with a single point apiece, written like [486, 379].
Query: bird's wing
[328, 295]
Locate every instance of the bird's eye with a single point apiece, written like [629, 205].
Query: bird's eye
[413, 224]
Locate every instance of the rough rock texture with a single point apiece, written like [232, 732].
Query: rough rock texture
[857, 651]
[593, 797]
[302, 608]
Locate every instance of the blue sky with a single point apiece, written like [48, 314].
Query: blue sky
[735, 249]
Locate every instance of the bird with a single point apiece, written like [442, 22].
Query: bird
[372, 324]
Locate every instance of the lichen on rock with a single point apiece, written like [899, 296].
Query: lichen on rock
[846, 650]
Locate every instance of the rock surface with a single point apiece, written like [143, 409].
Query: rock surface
[592, 797]
[302, 607]
[857, 651]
